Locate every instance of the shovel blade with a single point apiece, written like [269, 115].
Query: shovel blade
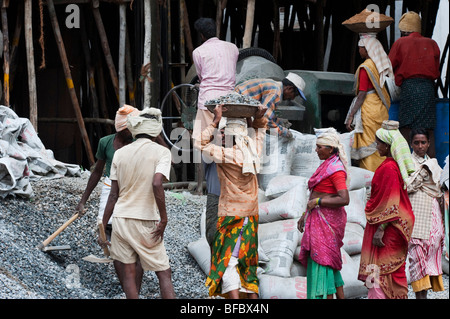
[95, 259]
[50, 248]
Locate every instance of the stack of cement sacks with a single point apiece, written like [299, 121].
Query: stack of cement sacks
[283, 194]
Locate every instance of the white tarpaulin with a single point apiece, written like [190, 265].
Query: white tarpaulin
[23, 156]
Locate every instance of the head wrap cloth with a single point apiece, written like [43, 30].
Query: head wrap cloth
[148, 121]
[389, 134]
[238, 128]
[330, 137]
[120, 121]
[376, 52]
[410, 22]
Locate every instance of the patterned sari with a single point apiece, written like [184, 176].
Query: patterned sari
[324, 226]
[388, 202]
[228, 230]
[322, 239]
[374, 111]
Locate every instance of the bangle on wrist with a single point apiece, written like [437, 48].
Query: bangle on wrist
[318, 200]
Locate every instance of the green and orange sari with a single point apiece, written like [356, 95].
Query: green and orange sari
[228, 230]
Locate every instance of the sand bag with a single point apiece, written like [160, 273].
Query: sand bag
[276, 159]
[359, 178]
[201, 252]
[353, 288]
[297, 269]
[353, 238]
[291, 204]
[278, 240]
[355, 209]
[273, 287]
[283, 183]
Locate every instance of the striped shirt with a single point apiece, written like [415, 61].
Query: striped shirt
[215, 62]
[269, 93]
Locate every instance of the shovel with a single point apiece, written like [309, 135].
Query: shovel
[95, 259]
[43, 246]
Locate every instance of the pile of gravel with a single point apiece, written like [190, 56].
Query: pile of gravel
[27, 272]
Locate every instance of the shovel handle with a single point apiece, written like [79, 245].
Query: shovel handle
[103, 237]
[59, 230]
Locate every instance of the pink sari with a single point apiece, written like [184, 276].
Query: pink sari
[324, 226]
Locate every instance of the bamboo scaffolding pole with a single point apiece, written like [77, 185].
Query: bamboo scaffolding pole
[247, 39]
[187, 29]
[122, 52]
[32, 93]
[74, 120]
[105, 46]
[5, 5]
[69, 81]
[147, 50]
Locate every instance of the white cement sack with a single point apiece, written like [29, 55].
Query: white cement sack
[283, 183]
[353, 238]
[297, 252]
[353, 288]
[290, 205]
[276, 159]
[279, 240]
[203, 223]
[273, 287]
[262, 196]
[305, 160]
[201, 252]
[19, 142]
[359, 178]
[297, 269]
[356, 207]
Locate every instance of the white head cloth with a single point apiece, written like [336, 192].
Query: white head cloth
[149, 121]
[330, 137]
[376, 52]
[238, 128]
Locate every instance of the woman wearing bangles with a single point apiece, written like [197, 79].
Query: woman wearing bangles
[390, 219]
[324, 222]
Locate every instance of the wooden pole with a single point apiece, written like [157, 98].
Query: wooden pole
[147, 50]
[247, 40]
[105, 46]
[5, 5]
[122, 50]
[69, 81]
[30, 63]
[187, 29]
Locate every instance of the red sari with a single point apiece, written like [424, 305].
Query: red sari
[388, 203]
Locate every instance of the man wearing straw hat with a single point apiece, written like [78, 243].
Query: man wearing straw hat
[415, 60]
